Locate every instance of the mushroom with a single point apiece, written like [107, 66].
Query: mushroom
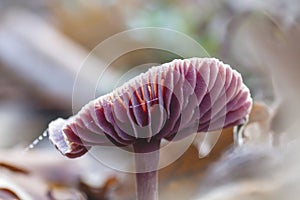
[170, 101]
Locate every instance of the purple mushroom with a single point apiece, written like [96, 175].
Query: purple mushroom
[170, 101]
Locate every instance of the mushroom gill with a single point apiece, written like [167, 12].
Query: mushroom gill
[169, 101]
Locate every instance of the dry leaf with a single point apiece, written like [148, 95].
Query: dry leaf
[258, 128]
[51, 176]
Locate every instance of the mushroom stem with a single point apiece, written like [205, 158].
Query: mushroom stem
[146, 162]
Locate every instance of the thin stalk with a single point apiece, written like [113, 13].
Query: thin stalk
[146, 161]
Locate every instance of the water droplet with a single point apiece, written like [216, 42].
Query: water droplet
[37, 140]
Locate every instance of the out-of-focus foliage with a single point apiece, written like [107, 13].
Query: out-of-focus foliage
[254, 172]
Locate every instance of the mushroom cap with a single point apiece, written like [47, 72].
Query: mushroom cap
[170, 101]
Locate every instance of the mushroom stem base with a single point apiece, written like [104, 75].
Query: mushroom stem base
[146, 161]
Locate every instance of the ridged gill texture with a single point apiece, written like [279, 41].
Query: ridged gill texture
[170, 101]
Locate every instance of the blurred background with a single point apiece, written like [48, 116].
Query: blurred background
[43, 44]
